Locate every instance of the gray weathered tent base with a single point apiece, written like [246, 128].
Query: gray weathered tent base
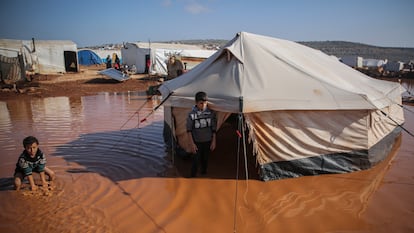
[331, 163]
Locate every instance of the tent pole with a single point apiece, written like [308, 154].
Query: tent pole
[241, 104]
[173, 143]
[237, 174]
[240, 133]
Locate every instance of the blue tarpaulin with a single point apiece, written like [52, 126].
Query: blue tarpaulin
[88, 57]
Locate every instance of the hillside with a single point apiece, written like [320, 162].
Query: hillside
[336, 48]
[342, 48]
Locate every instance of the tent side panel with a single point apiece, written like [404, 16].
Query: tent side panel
[298, 143]
[51, 56]
[131, 55]
[383, 121]
[298, 140]
[332, 163]
[291, 135]
[51, 60]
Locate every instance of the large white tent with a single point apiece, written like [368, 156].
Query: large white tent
[306, 112]
[157, 55]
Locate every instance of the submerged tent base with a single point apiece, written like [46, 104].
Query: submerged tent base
[331, 163]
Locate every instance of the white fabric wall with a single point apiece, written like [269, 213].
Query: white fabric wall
[132, 55]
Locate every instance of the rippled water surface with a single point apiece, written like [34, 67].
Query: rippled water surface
[113, 175]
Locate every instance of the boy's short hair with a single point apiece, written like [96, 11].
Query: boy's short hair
[29, 141]
[200, 96]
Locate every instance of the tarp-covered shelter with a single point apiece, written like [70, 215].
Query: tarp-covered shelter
[306, 112]
[152, 57]
[43, 56]
[88, 57]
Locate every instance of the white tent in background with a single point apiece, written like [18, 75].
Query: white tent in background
[307, 113]
[156, 55]
[103, 54]
[373, 63]
[43, 56]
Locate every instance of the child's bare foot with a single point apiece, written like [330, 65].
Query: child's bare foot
[34, 188]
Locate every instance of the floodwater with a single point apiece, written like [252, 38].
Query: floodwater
[113, 175]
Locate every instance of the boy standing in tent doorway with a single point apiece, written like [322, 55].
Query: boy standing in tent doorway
[201, 129]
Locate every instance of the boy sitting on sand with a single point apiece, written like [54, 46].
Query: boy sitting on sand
[31, 160]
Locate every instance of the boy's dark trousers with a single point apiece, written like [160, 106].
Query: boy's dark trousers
[201, 156]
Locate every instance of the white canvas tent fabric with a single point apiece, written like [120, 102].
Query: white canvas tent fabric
[43, 56]
[373, 63]
[51, 56]
[11, 50]
[158, 53]
[307, 113]
[103, 53]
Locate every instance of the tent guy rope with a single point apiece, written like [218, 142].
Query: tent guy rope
[156, 107]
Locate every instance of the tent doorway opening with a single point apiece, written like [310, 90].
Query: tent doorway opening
[71, 61]
[147, 63]
[229, 155]
[227, 158]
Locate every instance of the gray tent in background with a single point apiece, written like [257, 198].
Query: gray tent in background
[152, 57]
[306, 112]
[42, 56]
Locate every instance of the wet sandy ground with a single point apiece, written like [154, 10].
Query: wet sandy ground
[113, 175]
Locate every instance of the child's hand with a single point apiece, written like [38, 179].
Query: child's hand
[34, 188]
[194, 148]
[213, 145]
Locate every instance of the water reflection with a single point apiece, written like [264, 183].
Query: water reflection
[118, 155]
[60, 120]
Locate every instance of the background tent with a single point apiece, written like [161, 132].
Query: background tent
[306, 112]
[103, 54]
[43, 56]
[88, 57]
[152, 57]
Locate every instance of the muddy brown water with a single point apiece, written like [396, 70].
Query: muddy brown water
[113, 175]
